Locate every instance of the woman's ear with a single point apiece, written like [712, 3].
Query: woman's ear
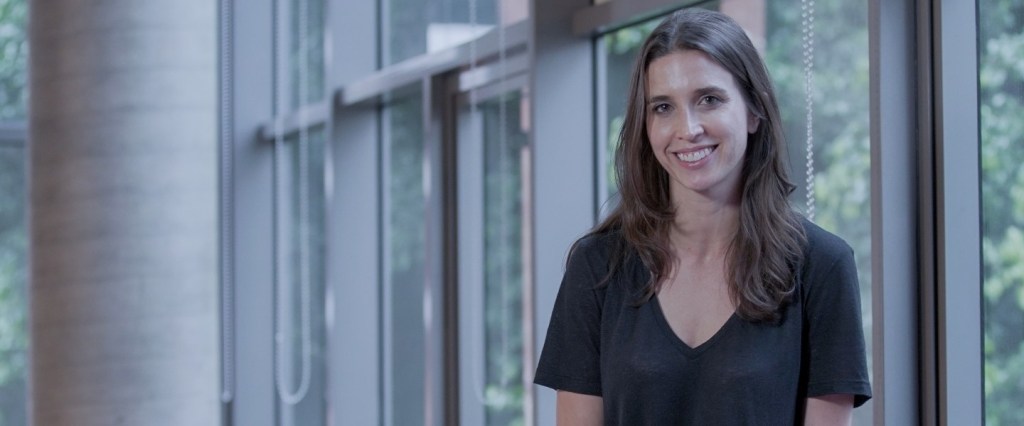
[752, 122]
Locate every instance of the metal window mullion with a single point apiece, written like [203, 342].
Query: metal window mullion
[446, 101]
[602, 206]
[433, 98]
[958, 214]
[471, 262]
[561, 182]
[354, 244]
[927, 313]
[387, 327]
[252, 100]
[894, 252]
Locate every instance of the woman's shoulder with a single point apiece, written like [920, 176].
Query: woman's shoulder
[597, 245]
[822, 245]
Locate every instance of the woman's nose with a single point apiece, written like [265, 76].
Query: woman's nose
[689, 126]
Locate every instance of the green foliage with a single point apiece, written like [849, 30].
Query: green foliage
[841, 126]
[1001, 85]
[13, 59]
[13, 300]
[13, 244]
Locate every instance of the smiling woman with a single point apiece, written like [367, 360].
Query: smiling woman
[697, 125]
[704, 298]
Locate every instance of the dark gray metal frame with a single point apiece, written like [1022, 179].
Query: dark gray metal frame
[894, 112]
[957, 186]
[354, 225]
[254, 400]
[563, 155]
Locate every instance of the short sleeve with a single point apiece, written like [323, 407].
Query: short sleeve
[837, 361]
[571, 357]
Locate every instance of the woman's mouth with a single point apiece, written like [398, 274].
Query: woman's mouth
[695, 156]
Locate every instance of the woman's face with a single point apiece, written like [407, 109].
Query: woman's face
[697, 123]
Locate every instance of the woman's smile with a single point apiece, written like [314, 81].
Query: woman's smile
[692, 157]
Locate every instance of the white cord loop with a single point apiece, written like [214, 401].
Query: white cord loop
[807, 15]
[226, 205]
[289, 397]
[227, 296]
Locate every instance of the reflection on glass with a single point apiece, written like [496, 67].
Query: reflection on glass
[841, 110]
[415, 27]
[405, 251]
[842, 160]
[302, 246]
[306, 55]
[13, 300]
[14, 333]
[505, 150]
[13, 59]
[1001, 98]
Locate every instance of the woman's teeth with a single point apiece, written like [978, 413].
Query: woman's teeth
[693, 156]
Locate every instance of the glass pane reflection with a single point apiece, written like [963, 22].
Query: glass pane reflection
[495, 278]
[405, 336]
[505, 150]
[415, 27]
[13, 290]
[1001, 98]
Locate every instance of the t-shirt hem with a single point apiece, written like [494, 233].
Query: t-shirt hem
[861, 391]
[570, 384]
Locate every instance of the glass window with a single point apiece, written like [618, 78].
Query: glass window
[301, 284]
[411, 371]
[306, 61]
[841, 156]
[13, 59]
[505, 152]
[1001, 99]
[13, 300]
[300, 360]
[415, 27]
[14, 334]
[841, 126]
[493, 344]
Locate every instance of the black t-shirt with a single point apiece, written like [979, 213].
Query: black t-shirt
[600, 343]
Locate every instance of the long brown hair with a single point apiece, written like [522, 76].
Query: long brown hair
[768, 245]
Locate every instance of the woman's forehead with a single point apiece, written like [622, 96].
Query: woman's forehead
[687, 70]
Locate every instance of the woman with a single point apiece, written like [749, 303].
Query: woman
[704, 299]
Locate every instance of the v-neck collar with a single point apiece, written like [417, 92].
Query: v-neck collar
[689, 352]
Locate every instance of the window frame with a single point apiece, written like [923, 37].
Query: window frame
[925, 291]
[957, 192]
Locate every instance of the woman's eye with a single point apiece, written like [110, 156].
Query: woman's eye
[710, 100]
[660, 108]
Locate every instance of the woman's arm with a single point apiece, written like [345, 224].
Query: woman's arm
[835, 409]
[577, 409]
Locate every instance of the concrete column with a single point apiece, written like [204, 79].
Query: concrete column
[124, 212]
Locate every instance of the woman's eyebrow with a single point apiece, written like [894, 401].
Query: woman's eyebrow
[709, 90]
[659, 98]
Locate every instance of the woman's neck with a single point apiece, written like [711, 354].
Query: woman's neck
[704, 227]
